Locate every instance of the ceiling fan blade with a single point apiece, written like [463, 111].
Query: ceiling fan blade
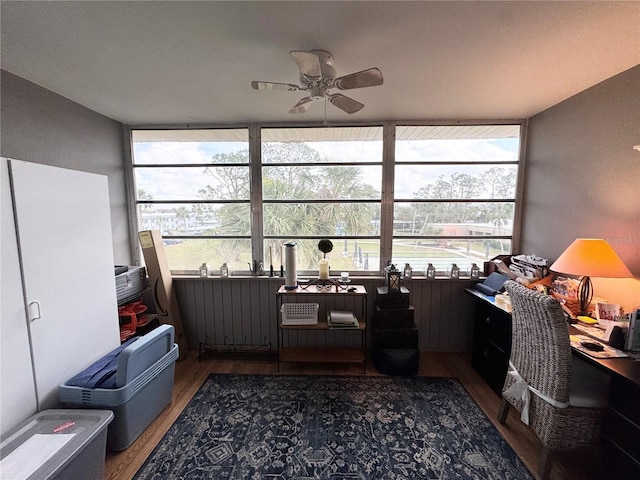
[274, 86]
[344, 103]
[307, 62]
[302, 106]
[366, 78]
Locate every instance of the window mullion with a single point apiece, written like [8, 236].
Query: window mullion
[517, 218]
[255, 174]
[386, 207]
[132, 208]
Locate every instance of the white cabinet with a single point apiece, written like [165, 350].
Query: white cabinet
[65, 253]
[17, 391]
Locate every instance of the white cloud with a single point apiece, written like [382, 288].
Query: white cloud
[184, 183]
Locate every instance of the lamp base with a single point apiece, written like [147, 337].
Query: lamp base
[585, 294]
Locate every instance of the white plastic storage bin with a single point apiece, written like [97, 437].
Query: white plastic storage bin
[144, 382]
[57, 445]
[299, 313]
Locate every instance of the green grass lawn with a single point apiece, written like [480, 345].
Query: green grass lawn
[190, 254]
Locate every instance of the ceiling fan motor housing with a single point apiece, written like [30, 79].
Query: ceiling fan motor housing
[317, 93]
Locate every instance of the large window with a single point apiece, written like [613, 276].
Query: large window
[194, 186]
[455, 193]
[319, 182]
[400, 193]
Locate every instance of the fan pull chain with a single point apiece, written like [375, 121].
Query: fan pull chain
[325, 114]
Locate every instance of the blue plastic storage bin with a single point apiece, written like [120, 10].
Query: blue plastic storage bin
[144, 382]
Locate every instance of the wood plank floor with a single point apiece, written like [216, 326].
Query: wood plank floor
[190, 374]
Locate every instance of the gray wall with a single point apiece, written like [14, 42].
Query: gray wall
[582, 177]
[212, 312]
[42, 127]
[582, 174]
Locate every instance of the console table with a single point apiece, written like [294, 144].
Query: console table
[621, 425]
[336, 298]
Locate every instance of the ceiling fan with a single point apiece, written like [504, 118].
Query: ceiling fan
[318, 77]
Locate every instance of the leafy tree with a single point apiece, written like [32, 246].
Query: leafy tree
[144, 195]
[495, 183]
[290, 182]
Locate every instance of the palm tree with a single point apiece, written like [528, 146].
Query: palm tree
[182, 213]
[291, 182]
[144, 195]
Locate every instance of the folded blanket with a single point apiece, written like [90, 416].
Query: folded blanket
[101, 373]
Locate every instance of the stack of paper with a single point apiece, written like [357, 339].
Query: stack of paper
[339, 319]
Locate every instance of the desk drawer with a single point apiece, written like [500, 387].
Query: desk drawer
[491, 362]
[494, 325]
[621, 431]
[624, 397]
[619, 465]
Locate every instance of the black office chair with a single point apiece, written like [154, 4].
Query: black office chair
[565, 404]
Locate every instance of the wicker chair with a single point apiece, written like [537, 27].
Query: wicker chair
[565, 406]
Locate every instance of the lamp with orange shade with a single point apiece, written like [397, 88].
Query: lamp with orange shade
[590, 257]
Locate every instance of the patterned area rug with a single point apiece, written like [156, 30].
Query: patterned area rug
[339, 428]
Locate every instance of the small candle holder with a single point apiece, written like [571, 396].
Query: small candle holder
[224, 270]
[204, 270]
[321, 283]
[454, 273]
[325, 284]
[475, 272]
[430, 272]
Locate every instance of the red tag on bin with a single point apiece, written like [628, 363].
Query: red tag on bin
[64, 426]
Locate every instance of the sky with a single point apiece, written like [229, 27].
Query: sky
[184, 183]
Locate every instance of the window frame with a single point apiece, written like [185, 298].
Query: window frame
[516, 200]
[335, 239]
[387, 200]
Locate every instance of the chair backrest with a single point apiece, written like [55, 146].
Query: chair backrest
[540, 349]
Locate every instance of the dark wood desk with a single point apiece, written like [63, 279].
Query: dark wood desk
[621, 425]
[625, 367]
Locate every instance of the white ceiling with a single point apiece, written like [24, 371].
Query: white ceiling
[182, 62]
